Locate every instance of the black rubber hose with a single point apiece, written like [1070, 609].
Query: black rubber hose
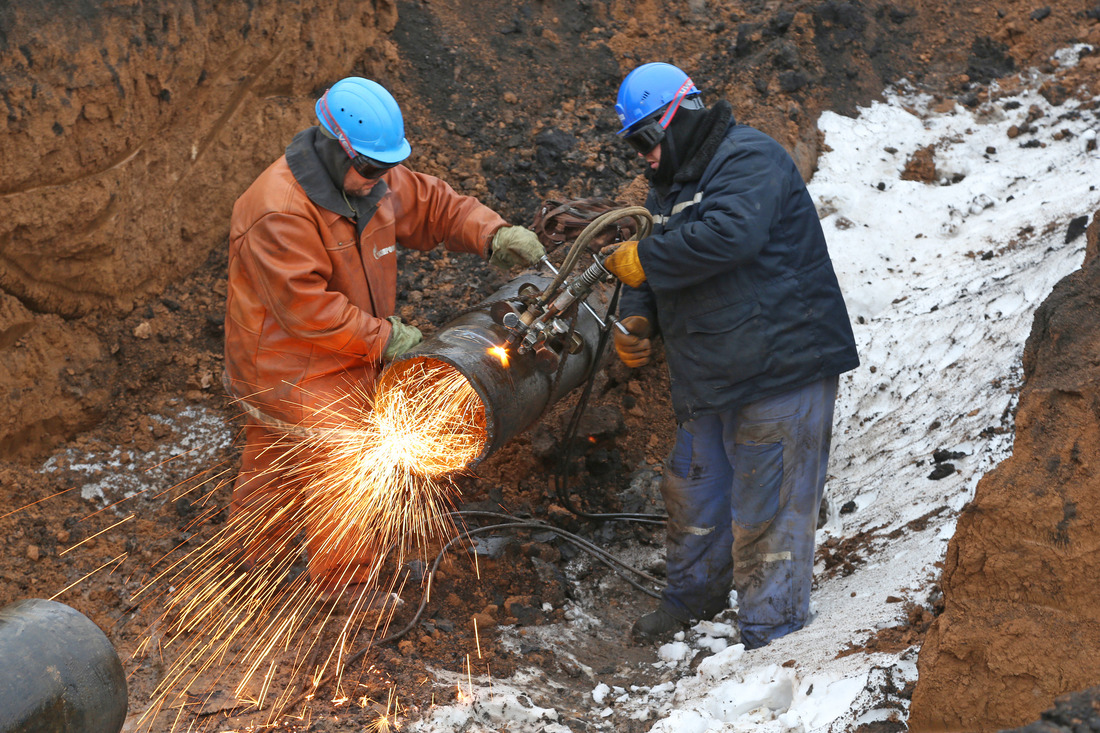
[561, 477]
[599, 553]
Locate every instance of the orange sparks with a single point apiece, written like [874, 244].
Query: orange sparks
[387, 718]
[501, 354]
[374, 484]
[372, 489]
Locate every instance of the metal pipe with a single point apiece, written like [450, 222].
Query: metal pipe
[514, 395]
[58, 672]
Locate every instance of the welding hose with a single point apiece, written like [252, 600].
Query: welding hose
[614, 563]
[644, 222]
[561, 476]
[606, 557]
[642, 218]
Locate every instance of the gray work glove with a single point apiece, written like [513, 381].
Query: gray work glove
[402, 338]
[515, 246]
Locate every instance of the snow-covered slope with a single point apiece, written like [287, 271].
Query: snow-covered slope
[942, 280]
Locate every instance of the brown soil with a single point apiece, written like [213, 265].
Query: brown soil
[1022, 613]
[1071, 712]
[131, 128]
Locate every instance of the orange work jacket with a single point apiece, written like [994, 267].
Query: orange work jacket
[308, 298]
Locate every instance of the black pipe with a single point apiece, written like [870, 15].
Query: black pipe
[516, 395]
[58, 672]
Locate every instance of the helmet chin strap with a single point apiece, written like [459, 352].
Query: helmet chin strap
[674, 105]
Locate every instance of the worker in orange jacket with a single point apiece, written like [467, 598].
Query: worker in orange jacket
[311, 296]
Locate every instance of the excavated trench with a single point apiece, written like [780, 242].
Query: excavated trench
[129, 132]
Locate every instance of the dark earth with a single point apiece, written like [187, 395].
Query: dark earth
[130, 129]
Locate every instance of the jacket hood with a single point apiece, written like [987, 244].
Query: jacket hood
[689, 144]
[707, 135]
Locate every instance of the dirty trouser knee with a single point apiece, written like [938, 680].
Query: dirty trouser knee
[695, 489]
[780, 450]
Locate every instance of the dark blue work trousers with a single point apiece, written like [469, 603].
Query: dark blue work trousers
[742, 489]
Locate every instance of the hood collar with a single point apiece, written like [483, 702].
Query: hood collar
[711, 132]
[319, 165]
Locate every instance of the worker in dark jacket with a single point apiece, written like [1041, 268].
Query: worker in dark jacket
[736, 278]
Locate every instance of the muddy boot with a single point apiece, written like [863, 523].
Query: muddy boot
[659, 625]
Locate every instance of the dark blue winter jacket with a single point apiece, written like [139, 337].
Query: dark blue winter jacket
[739, 280]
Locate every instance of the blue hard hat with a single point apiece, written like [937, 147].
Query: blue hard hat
[647, 89]
[365, 118]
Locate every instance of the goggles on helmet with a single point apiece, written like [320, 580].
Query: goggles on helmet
[370, 168]
[648, 136]
[649, 133]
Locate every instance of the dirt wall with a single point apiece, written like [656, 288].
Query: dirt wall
[130, 129]
[1021, 623]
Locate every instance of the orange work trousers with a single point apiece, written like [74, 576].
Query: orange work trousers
[268, 515]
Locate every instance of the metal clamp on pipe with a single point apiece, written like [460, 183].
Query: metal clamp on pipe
[515, 387]
[538, 324]
[529, 344]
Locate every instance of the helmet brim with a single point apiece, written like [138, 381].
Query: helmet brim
[397, 155]
[660, 110]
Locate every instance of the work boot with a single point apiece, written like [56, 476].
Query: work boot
[659, 625]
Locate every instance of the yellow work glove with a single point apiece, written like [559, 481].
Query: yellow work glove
[634, 348]
[402, 338]
[515, 246]
[623, 263]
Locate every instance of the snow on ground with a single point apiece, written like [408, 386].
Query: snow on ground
[942, 281]
[107, 476]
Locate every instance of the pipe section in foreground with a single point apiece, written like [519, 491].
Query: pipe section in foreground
[515, 387]
[58, 672]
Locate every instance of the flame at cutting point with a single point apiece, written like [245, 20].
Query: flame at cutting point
[501, 354]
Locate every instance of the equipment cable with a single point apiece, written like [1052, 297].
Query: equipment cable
[608, 559]
[644, 222]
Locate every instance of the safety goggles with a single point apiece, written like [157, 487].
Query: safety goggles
[649, 133]
[646, 137]
[370, 168]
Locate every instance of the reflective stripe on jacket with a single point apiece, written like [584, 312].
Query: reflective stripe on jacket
[308, 298]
